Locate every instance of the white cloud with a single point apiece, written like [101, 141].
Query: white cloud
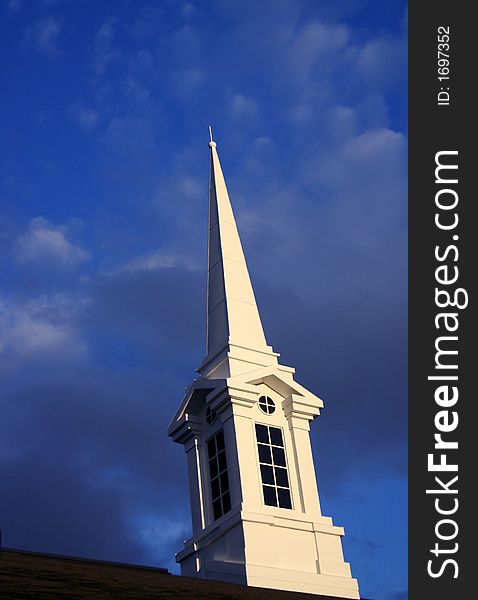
[43, 35]
[135, 91]
[46, 244]
[312, 44]
[374, 147]
[14, 5]
[190, 188]
[188, 10]
[158, 531]
[41, 327]
[379, 62]
[243, 107]
[149, 22]
[156, 260]
[85, 117]
[141, 61]
[187, 81]
[303, 113]
[342, 122]
[106, 52]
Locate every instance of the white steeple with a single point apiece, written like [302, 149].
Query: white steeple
[233, 322]
[232, 314]
[244, 425]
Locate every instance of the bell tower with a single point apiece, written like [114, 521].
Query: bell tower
[244, 424]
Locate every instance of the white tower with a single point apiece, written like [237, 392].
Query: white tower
[244, 424]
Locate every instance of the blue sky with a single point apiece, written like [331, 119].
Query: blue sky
[104, 175]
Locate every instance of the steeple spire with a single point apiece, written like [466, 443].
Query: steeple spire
[232, 313]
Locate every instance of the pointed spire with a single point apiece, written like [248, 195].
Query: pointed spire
[232, 313]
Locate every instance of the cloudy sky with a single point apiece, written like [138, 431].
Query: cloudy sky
[103, 191]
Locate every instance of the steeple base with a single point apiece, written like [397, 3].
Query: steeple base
[272, 552]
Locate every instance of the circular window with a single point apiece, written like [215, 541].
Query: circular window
[267, 405]
[210, 415]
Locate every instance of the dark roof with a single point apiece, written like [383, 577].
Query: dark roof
[25, 575]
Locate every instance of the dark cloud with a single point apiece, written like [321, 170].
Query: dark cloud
[104, 324]
[44, 507]
[85, 456]
[342, 352]
[154, 308]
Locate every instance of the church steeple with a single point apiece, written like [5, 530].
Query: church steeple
[233, 319]
[244, 424]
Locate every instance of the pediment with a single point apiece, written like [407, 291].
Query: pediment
[281, 382]
[194, 399]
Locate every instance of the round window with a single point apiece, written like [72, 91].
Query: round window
[210, 415]
[267, 405]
